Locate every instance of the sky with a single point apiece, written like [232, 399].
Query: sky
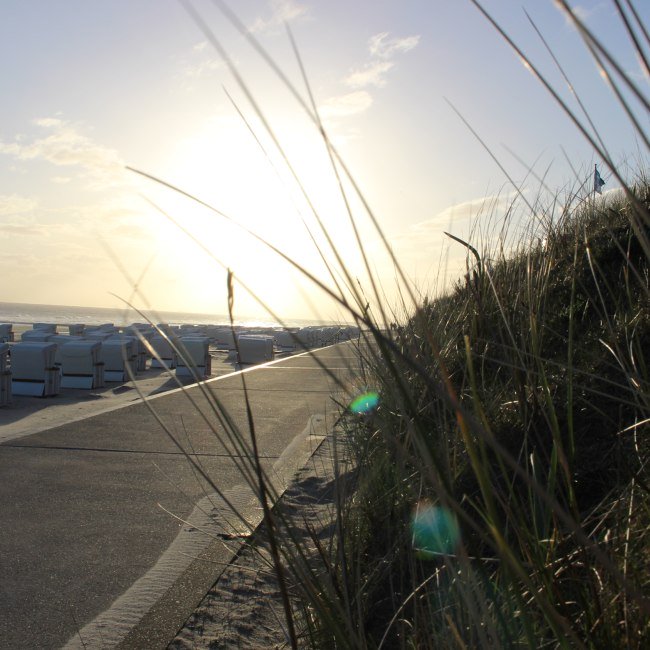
[404, 90]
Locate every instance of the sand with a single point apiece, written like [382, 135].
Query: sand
[244, 607]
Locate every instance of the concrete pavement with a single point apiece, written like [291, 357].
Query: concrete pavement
[89, 553]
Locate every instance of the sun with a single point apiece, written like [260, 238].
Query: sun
[263, 226]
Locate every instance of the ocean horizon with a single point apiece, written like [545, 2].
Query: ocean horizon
[27, 314]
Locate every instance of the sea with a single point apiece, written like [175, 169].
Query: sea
[27, 314]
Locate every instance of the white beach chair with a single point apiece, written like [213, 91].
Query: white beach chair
[32, 369]
[119, 356]
[6, 333]
[5, 375]
[194, 357]
[212, 332]
[81, 365]
[142, 334]
[163, 354]
[105, 328]
[285, 340]
[45, 327]
[37, 335]
[96, 335]
[135, 349]
[192, 331]
[224, 338]
[305, 337]
[255, 348]
[60, 340]
[349, 333]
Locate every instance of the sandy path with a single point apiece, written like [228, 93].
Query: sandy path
[244, 609]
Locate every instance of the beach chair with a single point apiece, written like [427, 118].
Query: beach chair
[162, 352]
[193, 331]
[32, 369]
[135, 350]
[37, 335]
[60, 340]
[349, 333]
[224, 338]
[194, 357]
[5, 375]
[305, 337]
[212, 332]
[255, 348]
[142, 334]
[105, 329]
[45, 327]
[6, 333]
[76, 329]
[81, 365]
[285, 340]
[96, 335]
[119, 356]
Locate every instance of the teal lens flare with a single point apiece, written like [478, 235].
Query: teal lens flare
[364, 403]
[435, 531]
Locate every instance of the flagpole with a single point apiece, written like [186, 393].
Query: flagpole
[593, 193]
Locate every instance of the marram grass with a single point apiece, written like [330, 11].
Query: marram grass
[493, 484]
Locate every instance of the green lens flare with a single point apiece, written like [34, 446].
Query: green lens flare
[435, 531]
[364, 403]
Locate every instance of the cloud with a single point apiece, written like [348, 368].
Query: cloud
[582, 13]
[65, 146]
[202, 62]
[13, 204]
[282, 11]
[345, 105]
[494, 204]
[383, 47]
[372, 74]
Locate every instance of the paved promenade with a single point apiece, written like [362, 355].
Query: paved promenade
[89, 552]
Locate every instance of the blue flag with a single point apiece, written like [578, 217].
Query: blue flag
[598, 182]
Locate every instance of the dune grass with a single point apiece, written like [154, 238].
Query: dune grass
[493, 490]
[501, 485]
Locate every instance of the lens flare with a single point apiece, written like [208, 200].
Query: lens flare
[435, 530]
[364, 403]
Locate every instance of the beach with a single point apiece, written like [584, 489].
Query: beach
[243, 609]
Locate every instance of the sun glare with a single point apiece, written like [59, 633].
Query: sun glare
[260, 208]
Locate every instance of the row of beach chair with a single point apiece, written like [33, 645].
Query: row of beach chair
[46, 361]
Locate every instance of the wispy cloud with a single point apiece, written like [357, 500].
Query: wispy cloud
[13, 204]
[469, 219]
[494, 204]
[201, 62]
[372, 74]
[382, 49]
[582, 13]
[64, 146]
[281, 11]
